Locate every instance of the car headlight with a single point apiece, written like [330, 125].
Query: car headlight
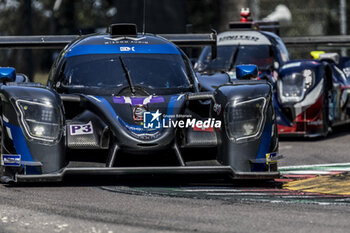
[309, 76]
[292, 88]
[40, 120]
[244, 120]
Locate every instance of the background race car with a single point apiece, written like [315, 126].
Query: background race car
[310, 96]
[314, 95]
[129, 103]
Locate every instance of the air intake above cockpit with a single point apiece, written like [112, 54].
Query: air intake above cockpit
[123, 29]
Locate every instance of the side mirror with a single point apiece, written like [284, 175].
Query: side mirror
[7, 74]
[246, 72]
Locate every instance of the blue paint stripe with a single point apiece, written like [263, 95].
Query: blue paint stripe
[121, 49]
[171, 105]
[20, 142]
[108, 105]
[264, 147]
[265, 143]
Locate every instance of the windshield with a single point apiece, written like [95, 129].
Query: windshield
[146, 70]
[260, 55]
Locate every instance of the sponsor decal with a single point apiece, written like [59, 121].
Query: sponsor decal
[81, 129]
[152, 120]
[127, 49]
[318, 122]
[239, 37]
[270, 157]
[347, 71]
[204, 128]
[137, 100]
[248, 37]
[126, 40]
[11, 160]
[156, 120]
[217, 108]
[138, 112]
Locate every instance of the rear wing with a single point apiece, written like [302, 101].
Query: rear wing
[270, 26]
[274, 26]
[35, 42]
[329, 41]
[58, 42]
[194, 40]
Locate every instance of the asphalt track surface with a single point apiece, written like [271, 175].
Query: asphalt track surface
[164, 204]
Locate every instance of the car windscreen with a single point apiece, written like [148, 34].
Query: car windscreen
[147, 70]
[260, 55]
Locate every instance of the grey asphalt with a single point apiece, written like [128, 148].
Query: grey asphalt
[83, 206]
[90, 209]
[335, 148]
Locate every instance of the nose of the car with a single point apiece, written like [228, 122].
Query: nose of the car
[146, 135]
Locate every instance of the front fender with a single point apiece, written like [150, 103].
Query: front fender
[243, 155]
[38, 155]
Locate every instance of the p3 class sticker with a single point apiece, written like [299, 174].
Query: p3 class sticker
[81, 129]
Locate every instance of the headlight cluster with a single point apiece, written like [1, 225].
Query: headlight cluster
[292, 88]
[40, 120]
[309, 78]
[244, 120]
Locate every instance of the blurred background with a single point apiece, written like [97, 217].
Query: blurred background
[62, 17]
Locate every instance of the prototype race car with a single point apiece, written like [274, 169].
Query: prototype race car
[310, 96]
[313, 96]
[129, 103]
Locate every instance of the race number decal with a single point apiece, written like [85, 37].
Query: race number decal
[81, 129]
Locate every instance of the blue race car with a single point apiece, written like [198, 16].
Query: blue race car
[130, 103]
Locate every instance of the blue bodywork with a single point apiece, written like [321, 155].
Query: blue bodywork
[246, 71]
[7, 73]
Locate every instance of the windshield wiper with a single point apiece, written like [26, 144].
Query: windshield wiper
[233, 58]
[128, 76]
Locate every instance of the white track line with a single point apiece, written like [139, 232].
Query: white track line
[211, 190]
[306, 172]
[316, 165]
[238, 194]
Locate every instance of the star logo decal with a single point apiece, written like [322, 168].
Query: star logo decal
[155, 115]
